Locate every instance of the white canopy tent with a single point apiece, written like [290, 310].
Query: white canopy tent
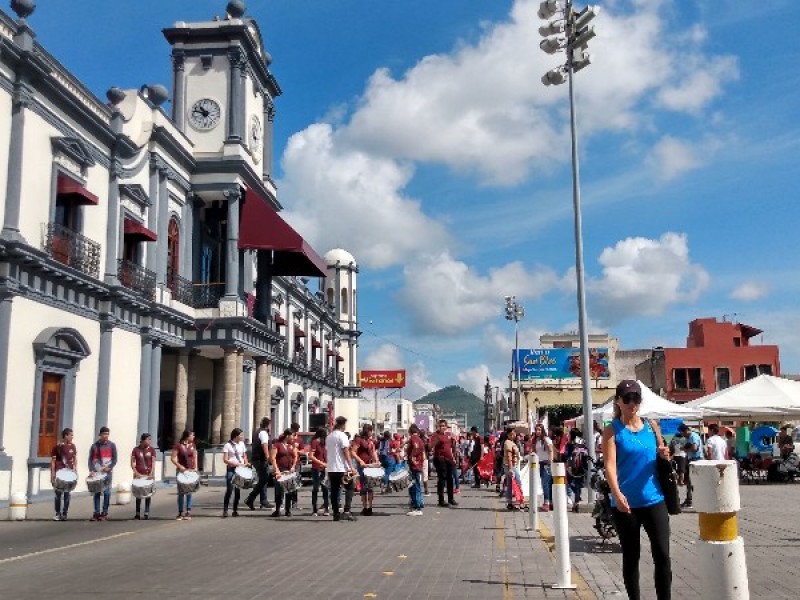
[764, 398]
[653, 406]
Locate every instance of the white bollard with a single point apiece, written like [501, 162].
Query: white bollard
[561, 527]
[533, 494]
[17, 507]
[123, 493]
[720, 548]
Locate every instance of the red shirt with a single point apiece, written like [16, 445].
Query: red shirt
[364, 449]
[145, 459]
[442, 445]
[318, 451]
[185, 455]
[65, 455]
[283, 455]
[416, 453]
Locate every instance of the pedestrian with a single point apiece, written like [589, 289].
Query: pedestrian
[365, 456]
[103, 459]
[577, 459]
[475, 455]
[386, 459]
[340, 470]
[716, 448]
[678, 451]
[300, 450]
[234, 454]
[730, 440]
[630, 447]
[543, 447]
[184, 457]
[63, 456]
[510, 461]
[694, 451]
[785, 441]
[319, 459]
[415, 450]
[260, 457]
[284, 461]
[143, 465]
[444, 462]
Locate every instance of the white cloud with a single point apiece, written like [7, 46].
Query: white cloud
[644, 277]
[385, 356]
[672, 157]
[700, 80]
[473, 379]
[419, 381]
[750, 291]
[498, 341]
[446, 296]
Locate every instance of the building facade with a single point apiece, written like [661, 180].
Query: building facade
[718, 354]
[147, 280]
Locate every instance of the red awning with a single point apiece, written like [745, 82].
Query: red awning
[339, 358]
[279, 320]
[134, 229]
[262, 228]
[330, 352]
[315, 343]
[77, 193]
[299, 332]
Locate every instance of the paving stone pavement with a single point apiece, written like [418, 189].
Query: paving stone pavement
[477, 550]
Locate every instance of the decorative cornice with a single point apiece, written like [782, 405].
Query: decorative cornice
[22, 96]
[135, 192]
[178, 59]
[75, 148]
[237, 58]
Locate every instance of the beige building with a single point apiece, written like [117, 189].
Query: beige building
[147, 280]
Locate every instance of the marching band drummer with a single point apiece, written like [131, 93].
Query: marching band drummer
[63, 456]
[184, 457]
[143, 464]
[234, 454]
[284, 459]
[103, 459]
[300, 449]
[365, 456]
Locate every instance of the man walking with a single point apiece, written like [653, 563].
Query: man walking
[475, 455]
[337, 448]
[694, 451]
[103, 459]
[63, 456]
[260, 457]
[415, 450]
[441, 443]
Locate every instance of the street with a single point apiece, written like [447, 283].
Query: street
[477, 550]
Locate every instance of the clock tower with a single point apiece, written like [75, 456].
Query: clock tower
[223, 91]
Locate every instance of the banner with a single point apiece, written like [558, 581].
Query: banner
[559, 363]
[382, 379]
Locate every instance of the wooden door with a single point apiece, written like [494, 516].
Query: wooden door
[50, 412]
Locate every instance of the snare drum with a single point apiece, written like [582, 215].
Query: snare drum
[66, 480]
[373, 476]
[400, 479]
[188, 482]
[288, 482]
[97, 482]
[243, 477]
[143, 487]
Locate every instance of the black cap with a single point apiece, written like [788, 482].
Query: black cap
[626, 386]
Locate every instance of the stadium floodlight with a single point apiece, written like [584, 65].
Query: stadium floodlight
[583, 37]
[552, 28]
[586, 15]
[581, 63]
[551, 45]
[554, 77]
[547, 9]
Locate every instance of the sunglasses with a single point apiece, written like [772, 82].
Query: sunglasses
[634, 397]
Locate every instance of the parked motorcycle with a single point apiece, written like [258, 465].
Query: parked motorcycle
[602, 504]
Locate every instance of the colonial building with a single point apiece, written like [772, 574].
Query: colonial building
[147, 280]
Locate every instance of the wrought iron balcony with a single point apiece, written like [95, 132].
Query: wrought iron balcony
[301, 359]
[282, 349]
[340, 378]
[182, 289]
[316, 366]
[137, 278]
[72, 249]
[207, 295]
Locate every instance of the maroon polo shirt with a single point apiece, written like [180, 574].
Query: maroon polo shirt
[416, 453]
[364, 449]
[144, 459]
[65, 455]
[319, 452]
[442, 445]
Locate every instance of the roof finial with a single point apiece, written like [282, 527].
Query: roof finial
[23, 8]
[235, 9]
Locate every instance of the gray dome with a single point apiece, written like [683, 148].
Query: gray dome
[343, 257]
[235, 9]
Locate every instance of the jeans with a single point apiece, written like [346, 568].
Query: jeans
[445, 471]
[317, 478]
[687, 479]
[336, 486]
[188, 498]
[146, 505]
[260, 489]
[576, 485]
[655, 521]
[511, 475]
[62, 510]
[415, 491]
[106, 493]
[389, 463]
[230, 489]
[547, 481]
[456, 477]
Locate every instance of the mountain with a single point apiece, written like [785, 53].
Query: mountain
[456, 399]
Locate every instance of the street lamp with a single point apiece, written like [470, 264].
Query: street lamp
[515, 312]
[576, 35]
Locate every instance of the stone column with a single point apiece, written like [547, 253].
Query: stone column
[287, 405]
[5, 331]
[187, 243]
[21, 99]
[232, 245]
[246, 405]
[238, 61]
[217, 402]
[163, 229]
[237, 422]
[269, 127]
[155, 389]
[152, 212]
[103, 373]
[191, 386]
[145, 366]
[229, 386]
[181, 404]
[261, 402]
[304, 410]
[179, 87]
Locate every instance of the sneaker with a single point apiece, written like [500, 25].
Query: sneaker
[452, 503]
[146, 517]
[187, 516]
[443, 504]
[136, 517]
[417, 513]
[457, 491]
[275, 513]
[103, 517]
[364, 512]
[267, 505]
[576, 508]
[225, 514]
[544, 508]
[250, 504]
[95, 517]
[348, 517]
[179, 517]
[336, 517]
[426, 494]
[511, 507]
[63, 516]
[57, 517]
[314, 514]
[325, 513]
[235, 513]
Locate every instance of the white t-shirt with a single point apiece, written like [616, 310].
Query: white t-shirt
[263, 437]
[334, 444]
[717, 448]
[236, 452]
[543, 450]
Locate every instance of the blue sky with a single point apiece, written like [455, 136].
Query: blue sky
[418, 136]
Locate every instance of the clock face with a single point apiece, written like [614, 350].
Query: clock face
[256, 137]
[204, 114]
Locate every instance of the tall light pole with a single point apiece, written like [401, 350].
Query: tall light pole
[515, 312]
[570, 31]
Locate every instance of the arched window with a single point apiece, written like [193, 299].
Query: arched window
[344, 300]
[173, 252]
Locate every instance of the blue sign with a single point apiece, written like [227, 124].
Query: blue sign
[559, 363]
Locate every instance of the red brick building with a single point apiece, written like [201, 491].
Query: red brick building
[717, 356]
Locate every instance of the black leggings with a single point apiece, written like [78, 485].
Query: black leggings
[655, 521]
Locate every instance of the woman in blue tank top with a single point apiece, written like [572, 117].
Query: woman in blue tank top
[630, 448]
